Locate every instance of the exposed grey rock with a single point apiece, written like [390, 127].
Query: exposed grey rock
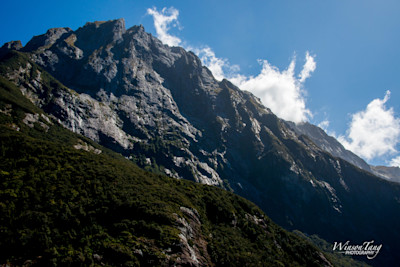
[389, 173]
[329, 144]
[45, 41]
[193, 245]
[146, 110]
[30, 120]
[6, 110]
[13, 45]
[85, 146]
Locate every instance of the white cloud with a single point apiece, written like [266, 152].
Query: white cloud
[324, 125]
[395, 162]
[162, 21]
[279, 90]
[373, 132]
[308, 68]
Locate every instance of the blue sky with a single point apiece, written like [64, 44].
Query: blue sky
[354, 45]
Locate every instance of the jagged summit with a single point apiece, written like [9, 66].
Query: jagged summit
[9, 46]
[120, 21]
[13, 45]
[46, 40]
[111, 30]
[101, 31]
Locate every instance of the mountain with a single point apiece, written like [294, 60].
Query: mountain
[65, 200]
[159, 107]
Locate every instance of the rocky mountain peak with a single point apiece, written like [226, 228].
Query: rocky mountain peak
[136, 28]
[46, 40]
[116, 23]
[100, 33]
[13, 45]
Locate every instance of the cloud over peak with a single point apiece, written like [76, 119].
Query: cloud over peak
[279, 90]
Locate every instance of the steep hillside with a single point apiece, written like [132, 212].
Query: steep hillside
[64, 200]
[328, 144]
[159, 107]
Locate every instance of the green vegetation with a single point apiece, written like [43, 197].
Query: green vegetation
[63, 206]
[59, 205]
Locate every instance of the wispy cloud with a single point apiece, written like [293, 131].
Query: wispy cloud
[281, 91]
[373, 132]
[220, 67]
[162, 22]
[324, 125]
[308, 68]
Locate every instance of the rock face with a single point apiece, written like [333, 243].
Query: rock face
[328, 144]
[332, 146]
[158, 106]
[193, 244]
[389, 173]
